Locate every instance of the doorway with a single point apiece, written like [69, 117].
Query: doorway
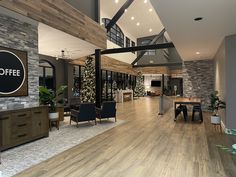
[47, 75]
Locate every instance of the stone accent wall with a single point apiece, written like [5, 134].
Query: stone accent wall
[198, 80]
[20, 35]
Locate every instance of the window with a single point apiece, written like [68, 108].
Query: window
[133, 45]
[46, 74]
[148, 52]
[127, 42]
[115, 34]
[78, 80]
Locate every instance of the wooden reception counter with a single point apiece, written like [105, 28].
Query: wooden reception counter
[124, 95]
[19, 126]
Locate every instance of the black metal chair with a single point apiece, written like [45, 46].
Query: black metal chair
[108, 110]
[197, 108]
[73, 103]
[86, 112]
[179, 109]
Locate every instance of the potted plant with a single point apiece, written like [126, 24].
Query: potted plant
[216, 104]
[49, 97]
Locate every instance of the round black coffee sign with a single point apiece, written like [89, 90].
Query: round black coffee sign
[12, 72]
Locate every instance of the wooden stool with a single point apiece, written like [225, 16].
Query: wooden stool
[52, 121]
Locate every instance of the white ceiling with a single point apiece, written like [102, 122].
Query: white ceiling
[140, 11]
[203, 36]
[52, 41]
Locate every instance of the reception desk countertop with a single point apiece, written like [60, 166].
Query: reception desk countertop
[11, 109]
[122, 95]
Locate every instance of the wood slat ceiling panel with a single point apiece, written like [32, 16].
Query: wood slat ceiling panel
[154, 70]
[62, 16]
[110, 64]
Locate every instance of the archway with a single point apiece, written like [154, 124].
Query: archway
[47, 76]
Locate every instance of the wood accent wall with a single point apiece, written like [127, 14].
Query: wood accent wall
[176, 73]
[153, 70]
[62, 16]
[110, 64]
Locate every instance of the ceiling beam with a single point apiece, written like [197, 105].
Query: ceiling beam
[160, 64]
[138, 48]
[166, 54]
[118, 14]
[154, 40]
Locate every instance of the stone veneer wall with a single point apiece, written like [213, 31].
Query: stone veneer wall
[198, 80]
[21, 35]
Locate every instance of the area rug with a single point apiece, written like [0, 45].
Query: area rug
[20, 158]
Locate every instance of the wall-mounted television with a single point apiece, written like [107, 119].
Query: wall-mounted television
[155, 83]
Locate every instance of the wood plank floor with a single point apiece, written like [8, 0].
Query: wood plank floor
[147, 145]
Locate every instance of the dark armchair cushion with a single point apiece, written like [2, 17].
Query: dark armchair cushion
[86, 112]
[74, 103]
[108, 110]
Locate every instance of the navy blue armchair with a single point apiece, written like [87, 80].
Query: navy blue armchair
[108, 110]
[86, 112]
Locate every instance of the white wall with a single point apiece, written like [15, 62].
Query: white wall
[124, 57]
[230, 53]
[220, 77]
[147, 82]
[220, 62]
[225, 73]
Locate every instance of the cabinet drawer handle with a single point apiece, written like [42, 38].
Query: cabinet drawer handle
[39, 112]
[21, 125]
[19, 136]
[4, 118]
[21, 115]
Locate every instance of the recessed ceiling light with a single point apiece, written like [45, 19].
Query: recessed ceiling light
[198, 18]
[151, 61]
[150, 30]
[150, 10]
[145, 1]
[126, 10]
[116, 1]
[132, 18]
[197, 53]
[137, 23]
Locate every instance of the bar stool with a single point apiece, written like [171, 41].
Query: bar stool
[182, 108]
[197, 108]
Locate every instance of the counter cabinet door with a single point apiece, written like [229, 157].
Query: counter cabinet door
[40, 122]
[5, 130]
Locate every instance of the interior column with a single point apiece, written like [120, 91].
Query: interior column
[98, 77]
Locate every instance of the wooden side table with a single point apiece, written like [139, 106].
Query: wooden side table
[60, 109]
[54, 121]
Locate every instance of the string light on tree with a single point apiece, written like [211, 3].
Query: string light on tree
[88, 86]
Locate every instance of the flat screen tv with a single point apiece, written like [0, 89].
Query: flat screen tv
[155, 83]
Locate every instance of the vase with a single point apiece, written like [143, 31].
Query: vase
[215, 119]
[53, 115]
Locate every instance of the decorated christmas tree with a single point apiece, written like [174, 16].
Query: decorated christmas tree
[88, 86]
[139, 90]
